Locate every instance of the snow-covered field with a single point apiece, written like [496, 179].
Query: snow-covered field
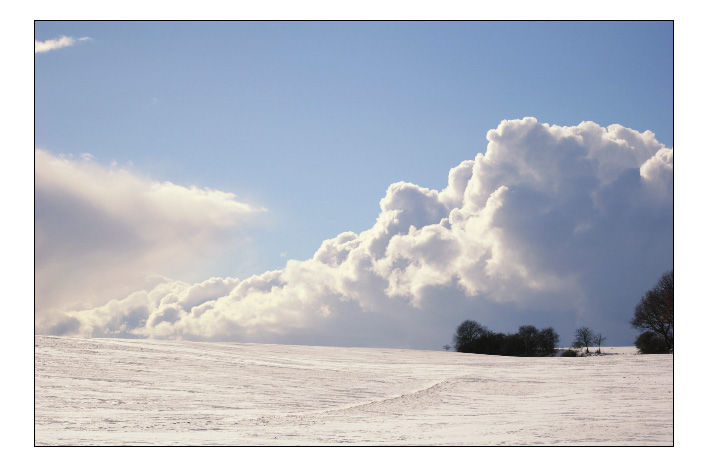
[143, 392]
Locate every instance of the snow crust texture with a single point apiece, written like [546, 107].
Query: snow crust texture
[146, 392]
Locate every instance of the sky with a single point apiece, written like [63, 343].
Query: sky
[350, 183]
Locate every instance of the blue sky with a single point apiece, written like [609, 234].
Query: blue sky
[309, 123]
[244, 106]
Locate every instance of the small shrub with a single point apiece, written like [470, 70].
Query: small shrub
[569, 353]
[650, 342]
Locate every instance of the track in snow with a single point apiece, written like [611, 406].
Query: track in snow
[143, 392]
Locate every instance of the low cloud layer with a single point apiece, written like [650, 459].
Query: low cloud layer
[58, 43]
[551, 226]
[102, 232]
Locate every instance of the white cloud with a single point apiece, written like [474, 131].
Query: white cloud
[58, 43]
[100, 232]
[553, 226]
[659, 168]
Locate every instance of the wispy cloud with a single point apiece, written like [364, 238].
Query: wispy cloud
[58, 43]
[102, 232]
[551, 226]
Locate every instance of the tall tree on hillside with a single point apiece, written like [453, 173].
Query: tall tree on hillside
[655, 311]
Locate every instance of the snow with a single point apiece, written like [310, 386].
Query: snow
[146, 392]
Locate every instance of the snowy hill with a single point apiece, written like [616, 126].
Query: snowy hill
[143, 392]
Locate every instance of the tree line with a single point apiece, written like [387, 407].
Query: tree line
[654, 316]
[471, 337]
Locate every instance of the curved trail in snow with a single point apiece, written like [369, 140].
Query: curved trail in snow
[133, 392]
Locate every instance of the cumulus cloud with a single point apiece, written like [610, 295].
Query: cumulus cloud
[100, 232]
[58, 43]
[551, 226]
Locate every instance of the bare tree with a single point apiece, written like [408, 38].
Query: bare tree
[655, 311]
[584, 337]
[598, 340]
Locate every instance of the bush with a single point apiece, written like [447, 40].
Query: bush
[650, 342]
[569, 353]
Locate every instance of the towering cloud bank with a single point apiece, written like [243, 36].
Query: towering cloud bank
[552, 226]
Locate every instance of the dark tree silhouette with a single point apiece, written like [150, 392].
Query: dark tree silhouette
[528, 335]
[598, 341]
[512, 345]
[466, 334]
[650, 342]
[584, 337]
[471, 337]
[655, 311]
[548, 340]
[489, 342]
